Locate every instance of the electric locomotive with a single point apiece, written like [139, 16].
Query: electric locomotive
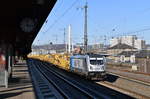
[92, 66]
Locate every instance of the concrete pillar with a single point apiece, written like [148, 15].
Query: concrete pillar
[6, 78]
[6, 63]
[3, 65]
[10, 60]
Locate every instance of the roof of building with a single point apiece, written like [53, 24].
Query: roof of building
[121, 46]
[50, 46]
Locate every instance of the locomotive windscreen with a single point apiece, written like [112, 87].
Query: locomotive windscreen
[96, 62]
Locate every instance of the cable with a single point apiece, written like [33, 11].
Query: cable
[142, 30]
[55, 21]
[129, 33]
[61, 2]
[66, 11]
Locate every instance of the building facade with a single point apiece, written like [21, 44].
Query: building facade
[129, 40]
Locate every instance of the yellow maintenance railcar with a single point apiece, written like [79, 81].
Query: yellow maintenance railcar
[60, 60]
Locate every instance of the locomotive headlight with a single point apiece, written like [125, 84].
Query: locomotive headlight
[91, 67]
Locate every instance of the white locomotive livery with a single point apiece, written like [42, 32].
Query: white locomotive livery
[92, 65]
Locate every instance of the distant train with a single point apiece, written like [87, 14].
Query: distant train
[91, 66]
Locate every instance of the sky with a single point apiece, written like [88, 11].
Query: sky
[106, 19]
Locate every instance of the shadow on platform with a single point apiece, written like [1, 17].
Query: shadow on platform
[18, 82]
[12, 94]
[20, 64]
[14, 80]
[20, 70]
[14, 89]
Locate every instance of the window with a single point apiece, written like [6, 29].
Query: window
[96, 62]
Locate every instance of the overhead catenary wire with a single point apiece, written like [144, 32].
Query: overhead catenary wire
[133, 32]
[58, 19]
[58, 8]
[65, 12]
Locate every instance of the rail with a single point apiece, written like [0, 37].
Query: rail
[42, 87]
[51, 82]
[82, 91]
[130, 79]
[129, 86]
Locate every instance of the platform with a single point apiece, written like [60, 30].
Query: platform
[20, 86]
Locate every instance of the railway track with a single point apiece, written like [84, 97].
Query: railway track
[120, 73]
[133, 87]
[43, 88]
[131, 79]
[77, 91]
[70, 87]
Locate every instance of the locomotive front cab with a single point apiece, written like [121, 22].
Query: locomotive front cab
[93, 67]
[97, 64]
[96, 67]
